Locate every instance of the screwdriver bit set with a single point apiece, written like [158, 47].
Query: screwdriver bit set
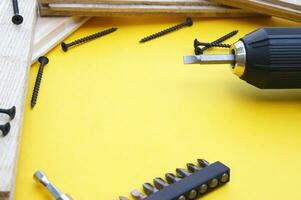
[189, 184]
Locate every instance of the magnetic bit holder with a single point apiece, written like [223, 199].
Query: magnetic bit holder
[188, 184]
[40, 177]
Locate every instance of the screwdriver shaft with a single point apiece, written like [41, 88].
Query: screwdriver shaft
[209, 59]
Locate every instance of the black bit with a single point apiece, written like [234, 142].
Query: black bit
[17, 18]
[188, 22]
[138, 195]
[192, 167]
[203, 163]
[11, 112]
[65, 46]
[43, 61]
[5, 129]
[149, 189]
[182, 173]
[160, 183]
[171, 178]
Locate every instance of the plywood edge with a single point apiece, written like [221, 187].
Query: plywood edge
[265, 7]
[134, 2]
[117, 10]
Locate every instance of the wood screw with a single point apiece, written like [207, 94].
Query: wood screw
[17, 18]
[43, 61]
[87, 38]
[199, 51]
[206, 44]
[188, 22]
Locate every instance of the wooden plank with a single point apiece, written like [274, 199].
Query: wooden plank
[288, 9]
[15, 60]
[105, 9]
[50, 31]
[288, 3]
[135, 2]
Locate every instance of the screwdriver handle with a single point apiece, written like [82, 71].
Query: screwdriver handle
[273, 58]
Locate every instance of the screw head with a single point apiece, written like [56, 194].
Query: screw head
[43, 59]
[5, 129]
[196, 43]
[189, 21]
[64, 46]
[12, 112]
[17, 19]
[198, 51]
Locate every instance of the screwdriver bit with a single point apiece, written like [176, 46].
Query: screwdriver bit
[182, 172]
[203, 163]
[192, 167]
[187, 184]
[149, 189]
[209, 59]
[171, 178]
[52, 189]
[138, 195]
[160, 183]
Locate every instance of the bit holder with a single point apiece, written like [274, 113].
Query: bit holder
[189, 184]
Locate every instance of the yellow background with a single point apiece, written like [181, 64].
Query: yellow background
[113, 114]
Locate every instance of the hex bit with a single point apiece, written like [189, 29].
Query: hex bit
[52, 189]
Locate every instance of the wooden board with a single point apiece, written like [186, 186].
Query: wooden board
[50, 31]
[199, 8]
[15, 60]
[133, 2]
[288, 9]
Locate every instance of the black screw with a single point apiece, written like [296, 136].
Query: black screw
[17, 18]
[43, 61]
[11, 112]
[212, 44]
[5, 129]
[87, 38]
[188, 22]
[199, 51]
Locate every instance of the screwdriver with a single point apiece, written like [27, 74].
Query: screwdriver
[268, 58]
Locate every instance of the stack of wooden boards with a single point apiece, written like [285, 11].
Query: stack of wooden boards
[198, 8]
[289, 9]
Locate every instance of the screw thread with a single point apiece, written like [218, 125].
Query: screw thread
[221, 39]
[91, 37]
[215, 45]
[15, 7]
[37, 84]
[188, 22]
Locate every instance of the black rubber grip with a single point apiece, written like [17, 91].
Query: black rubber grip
[273, 58]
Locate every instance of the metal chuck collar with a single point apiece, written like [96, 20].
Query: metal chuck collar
[11, 112]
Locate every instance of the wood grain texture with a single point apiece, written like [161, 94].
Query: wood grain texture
[288, 9]
[107, 9]
[15, 60]
[135, 2]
